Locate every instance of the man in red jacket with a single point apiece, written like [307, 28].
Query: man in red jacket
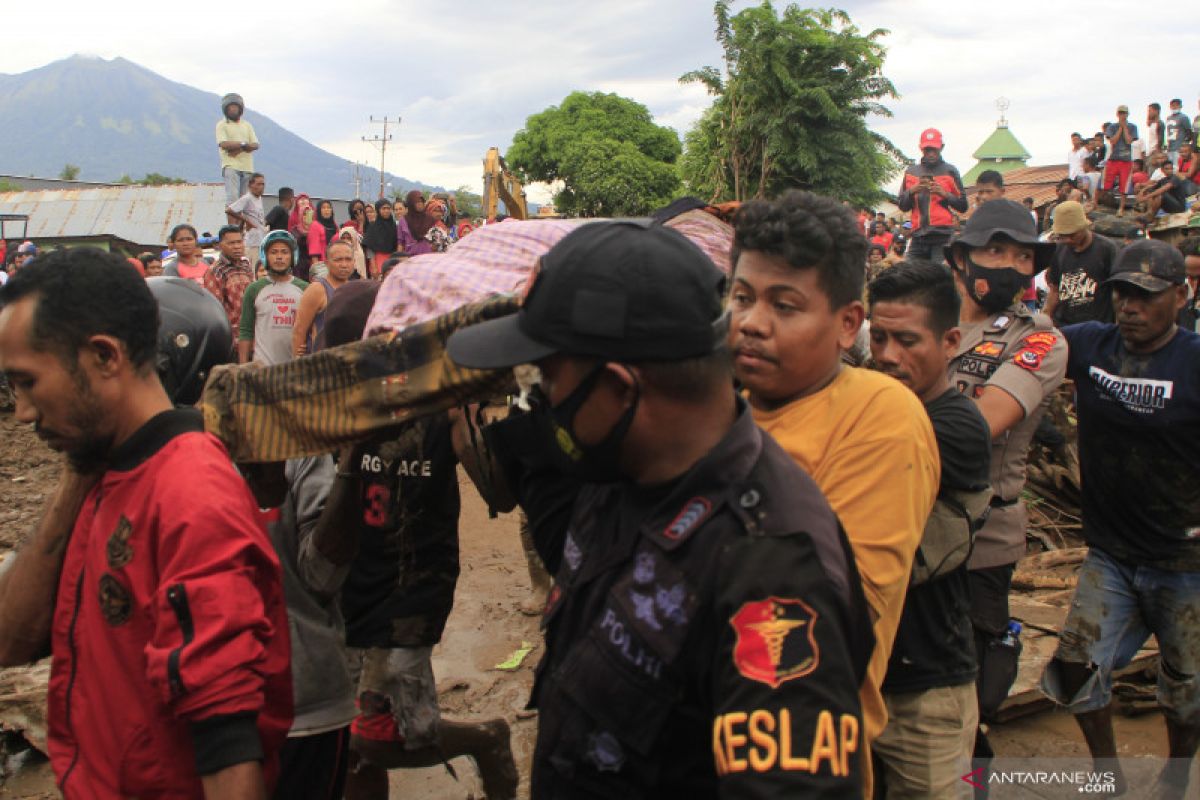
[151, 581]
[931, 189]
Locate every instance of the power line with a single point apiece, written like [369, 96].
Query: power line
[381, 141]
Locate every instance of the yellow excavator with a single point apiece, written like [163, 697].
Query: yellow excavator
[500, 184]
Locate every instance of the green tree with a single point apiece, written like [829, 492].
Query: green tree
[69, 172]
[607, 152]
[790, 108]
[155, 179]
[470, 204]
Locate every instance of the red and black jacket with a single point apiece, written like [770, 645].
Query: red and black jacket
[170, 634]
[931, 213]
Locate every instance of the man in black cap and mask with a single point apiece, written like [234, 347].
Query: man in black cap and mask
[1138, 384]
[1010, 362]
[707, 632]
[237, 143]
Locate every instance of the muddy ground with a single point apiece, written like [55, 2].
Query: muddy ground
[487, 626]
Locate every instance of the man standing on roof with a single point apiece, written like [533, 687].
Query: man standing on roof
[1119, 168]
[932, 188]
[237, 143]
[1179, 129]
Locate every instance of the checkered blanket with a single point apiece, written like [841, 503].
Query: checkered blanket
[401, 371]
[497, 259]
[318, 403]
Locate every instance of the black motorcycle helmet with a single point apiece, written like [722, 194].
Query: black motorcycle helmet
[193, 337]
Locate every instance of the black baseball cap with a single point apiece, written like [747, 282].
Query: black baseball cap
[1149, 264]
[622, 290]
[1007, 218]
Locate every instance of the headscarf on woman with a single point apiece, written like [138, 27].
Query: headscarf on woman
[438, 234]
[329, 223]
[351, 235]
[419, 222]
[299, 221]
[380, 236]
[296, 217]
[358, 216]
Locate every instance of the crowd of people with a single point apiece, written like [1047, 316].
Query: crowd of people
[776, 572]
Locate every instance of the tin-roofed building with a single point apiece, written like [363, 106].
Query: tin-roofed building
[116, 217]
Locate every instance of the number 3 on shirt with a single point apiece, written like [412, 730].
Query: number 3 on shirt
[375, 509]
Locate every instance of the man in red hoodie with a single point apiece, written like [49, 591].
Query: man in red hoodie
[931, 190]
[158, 596]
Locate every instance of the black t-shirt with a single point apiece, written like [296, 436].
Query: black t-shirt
[277, 219]
[1139, 424]
[1079, 278]
[401, 585]
[1174, 200]
[934, 643]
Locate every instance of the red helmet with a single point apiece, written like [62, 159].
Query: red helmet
[931, 137]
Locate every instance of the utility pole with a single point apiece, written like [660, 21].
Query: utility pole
[356, 172]
[381, 141]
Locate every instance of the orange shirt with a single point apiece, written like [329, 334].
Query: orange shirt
[868, 443]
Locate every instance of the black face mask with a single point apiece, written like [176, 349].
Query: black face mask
[1005, 285]
[598, 463]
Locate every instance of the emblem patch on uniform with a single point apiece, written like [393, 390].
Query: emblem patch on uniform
[643, 567]
[665, 602]
[1028, 359]
[775, 640]
[571, 553]
[118, 550]
[690, 517]
[605, 752]
[1002, 321]
[1043, 340]
[1034, 348]
[115, 602]
[992, 349]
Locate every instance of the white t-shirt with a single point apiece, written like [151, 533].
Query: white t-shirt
[251, 208]
[1075, 162]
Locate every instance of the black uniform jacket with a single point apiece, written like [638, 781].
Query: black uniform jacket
[703, 639]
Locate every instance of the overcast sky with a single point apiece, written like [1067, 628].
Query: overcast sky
[466, 79]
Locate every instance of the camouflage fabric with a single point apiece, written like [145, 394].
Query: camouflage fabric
[339, 396]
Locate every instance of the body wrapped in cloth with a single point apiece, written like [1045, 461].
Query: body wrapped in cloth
[318, 403]
[401, 372]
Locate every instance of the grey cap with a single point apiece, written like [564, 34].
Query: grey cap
[1149, 264]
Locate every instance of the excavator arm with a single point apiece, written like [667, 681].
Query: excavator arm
[501, 185]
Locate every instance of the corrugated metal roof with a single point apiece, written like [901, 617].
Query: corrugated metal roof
[1036, 182]
[143, 215]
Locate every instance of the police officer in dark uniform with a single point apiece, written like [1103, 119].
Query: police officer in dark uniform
[707, 633]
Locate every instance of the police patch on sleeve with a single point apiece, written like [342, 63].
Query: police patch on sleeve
[775, 640]
[1034, 348]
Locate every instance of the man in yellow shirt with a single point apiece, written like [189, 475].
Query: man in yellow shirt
[863, 436]
[237, 143]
